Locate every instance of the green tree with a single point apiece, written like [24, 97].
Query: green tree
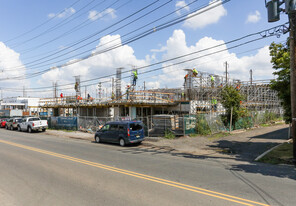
[231, 98]
[280, 59]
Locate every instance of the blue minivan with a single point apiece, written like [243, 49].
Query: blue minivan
[122, 132]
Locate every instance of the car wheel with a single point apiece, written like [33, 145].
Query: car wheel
[6, 127]
[11, 127]
[29, 130]
[97, 139]
[122, 142]
[43, 130]
[19, 128]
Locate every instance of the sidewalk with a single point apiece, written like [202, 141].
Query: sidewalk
[245, 146]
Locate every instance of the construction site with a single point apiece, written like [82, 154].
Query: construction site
[161, 109]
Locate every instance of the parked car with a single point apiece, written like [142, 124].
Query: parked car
[3, 123]
[32, 124]
[124, 132]
[13, 123]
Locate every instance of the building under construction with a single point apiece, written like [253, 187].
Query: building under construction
[196, 95]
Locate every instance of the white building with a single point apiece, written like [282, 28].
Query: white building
[20, 106]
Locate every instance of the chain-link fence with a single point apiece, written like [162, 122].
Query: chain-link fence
[92, 124]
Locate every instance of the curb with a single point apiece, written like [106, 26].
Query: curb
[266, 152]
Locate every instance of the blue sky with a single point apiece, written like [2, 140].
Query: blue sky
[19, 56]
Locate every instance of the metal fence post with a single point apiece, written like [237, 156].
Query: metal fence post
[184, 131]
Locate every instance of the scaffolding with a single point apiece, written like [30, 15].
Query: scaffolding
[118, 83]
[202, 91]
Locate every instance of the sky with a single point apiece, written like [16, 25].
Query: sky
[42, 42]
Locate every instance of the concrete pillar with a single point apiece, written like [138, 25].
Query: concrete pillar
[133, 112]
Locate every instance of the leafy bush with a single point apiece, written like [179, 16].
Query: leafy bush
[202, 126]
[168, 134]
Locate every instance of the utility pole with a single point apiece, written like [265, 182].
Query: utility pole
[273, 8]
[292, 19]
[226, 72]
[144, 86]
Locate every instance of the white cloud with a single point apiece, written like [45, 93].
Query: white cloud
[181, 4]
[253, 17]
[97, 66]
[65, 13]
[211, 16]
[173, 75]
[94, 15]
[11, 66]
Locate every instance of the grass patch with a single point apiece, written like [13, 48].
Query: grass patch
[280, 155]
[218, 136]
[193, 135]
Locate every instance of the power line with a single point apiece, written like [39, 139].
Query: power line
[182, 62]
[146, 33]
[40, 25]
[88, 37]
[16, 45]
[71, 30]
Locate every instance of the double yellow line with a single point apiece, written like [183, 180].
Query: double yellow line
[142, 176]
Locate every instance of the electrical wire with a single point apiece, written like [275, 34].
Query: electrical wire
[159, 68]
[40, 25]
[146, 33]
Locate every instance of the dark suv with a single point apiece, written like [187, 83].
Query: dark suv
[122, 132]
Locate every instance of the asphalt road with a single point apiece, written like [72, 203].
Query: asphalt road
[38, 169]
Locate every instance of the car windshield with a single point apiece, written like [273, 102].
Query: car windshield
[18, 120]
[136, 126]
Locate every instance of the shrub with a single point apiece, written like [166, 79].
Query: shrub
[202, 126]
[168, 134]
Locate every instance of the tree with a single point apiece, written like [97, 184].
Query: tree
[280, 59]
[231, 98]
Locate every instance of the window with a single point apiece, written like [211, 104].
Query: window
[121, 128]
[34, 119]
[136, 126]
[106, 127]
[113, 127]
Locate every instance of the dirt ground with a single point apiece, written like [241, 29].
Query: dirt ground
[244, 145]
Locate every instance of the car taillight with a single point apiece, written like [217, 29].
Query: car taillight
[14, 123]
[128, 133]
[33, 124]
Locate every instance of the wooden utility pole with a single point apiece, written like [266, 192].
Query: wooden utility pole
[292, 19]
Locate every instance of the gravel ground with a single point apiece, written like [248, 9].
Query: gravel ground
[243, 145]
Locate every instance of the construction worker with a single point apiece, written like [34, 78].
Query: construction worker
[61, 95]
[214, 104]
[135, 77]
[212, 81]
[113, 96]
[76, 86]
[127, 91]
[185, 78]
[195, 72]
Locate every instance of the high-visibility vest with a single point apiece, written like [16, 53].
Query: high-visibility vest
[195, 71]
[212, 78]
[135, 74]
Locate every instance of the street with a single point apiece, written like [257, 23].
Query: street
[39, 169]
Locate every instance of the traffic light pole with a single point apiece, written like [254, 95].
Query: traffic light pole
[292, 19]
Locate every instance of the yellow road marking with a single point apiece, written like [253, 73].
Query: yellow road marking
[141, 176]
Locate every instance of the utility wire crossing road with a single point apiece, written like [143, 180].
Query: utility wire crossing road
[210, 193]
